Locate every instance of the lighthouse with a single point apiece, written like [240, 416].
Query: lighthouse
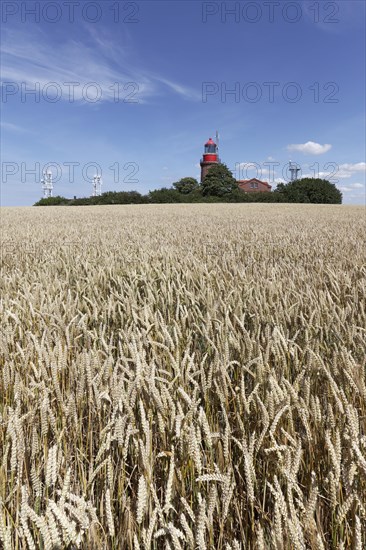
[210, 157]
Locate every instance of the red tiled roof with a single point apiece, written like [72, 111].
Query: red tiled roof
[254, 179]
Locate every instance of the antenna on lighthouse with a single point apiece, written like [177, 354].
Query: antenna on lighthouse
[217, 145]
[97, 186]
[47, 184]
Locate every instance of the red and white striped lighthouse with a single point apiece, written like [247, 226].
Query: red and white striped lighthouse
[210, 157]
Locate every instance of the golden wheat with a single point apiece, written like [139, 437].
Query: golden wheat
[183, 377]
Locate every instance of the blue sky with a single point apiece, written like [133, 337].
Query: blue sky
[138, 87]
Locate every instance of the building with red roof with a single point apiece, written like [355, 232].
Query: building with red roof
[254, 186]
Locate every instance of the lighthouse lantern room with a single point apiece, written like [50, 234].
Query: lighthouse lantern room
[210, 157]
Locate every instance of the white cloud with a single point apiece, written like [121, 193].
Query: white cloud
[347, 170]
[321, 175]
[351, 187]
[310, 148]
[184, 91]
[14, 128]
[357, 167]
[27, 62]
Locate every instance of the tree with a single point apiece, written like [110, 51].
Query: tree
[186, 185]
[164, 195]
[219, 181]
[120, 197]
[310, 190]
[52, 201]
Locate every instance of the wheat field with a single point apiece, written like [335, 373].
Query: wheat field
[183, 377]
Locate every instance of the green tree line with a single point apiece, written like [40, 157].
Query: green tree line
[219, 185]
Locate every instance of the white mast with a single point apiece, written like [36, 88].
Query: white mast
[217, 145]
[47, 184]
[293, 171]
[97, 186]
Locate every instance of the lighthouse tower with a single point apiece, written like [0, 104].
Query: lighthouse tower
[210, 157]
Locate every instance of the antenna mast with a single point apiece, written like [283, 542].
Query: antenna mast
[47, 184]
[293, 171]
[97, 186]
[217, 145]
